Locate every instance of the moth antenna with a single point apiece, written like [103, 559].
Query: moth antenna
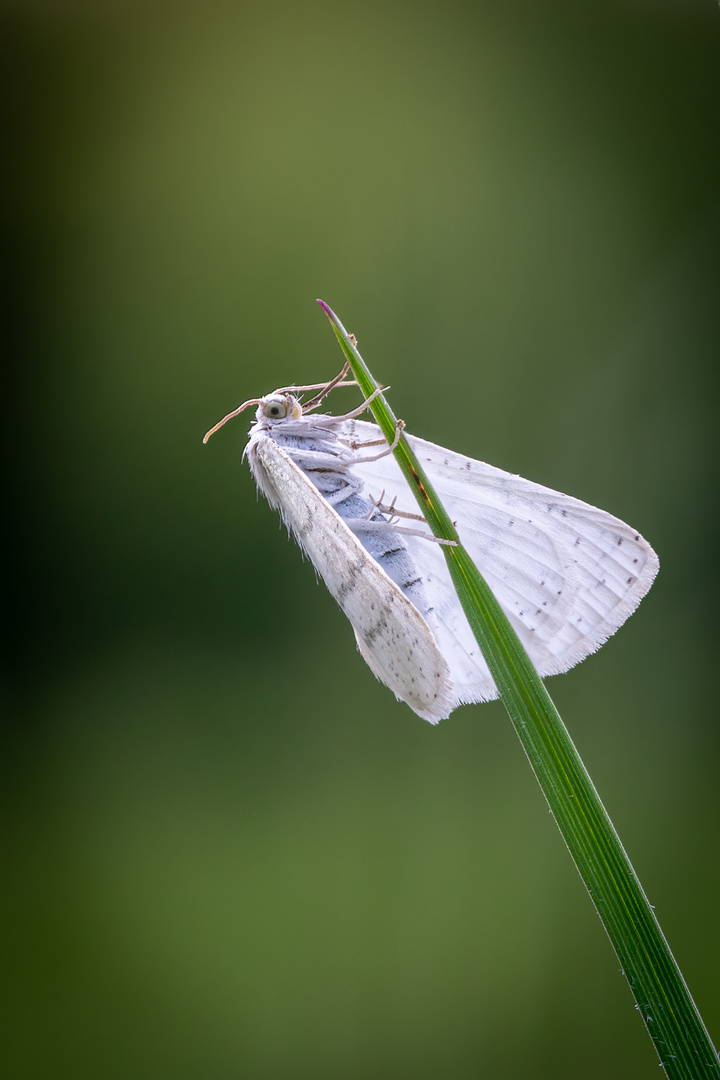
[312, 386]
[235, 412]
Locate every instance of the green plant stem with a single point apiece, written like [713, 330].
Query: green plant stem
[663, 1000]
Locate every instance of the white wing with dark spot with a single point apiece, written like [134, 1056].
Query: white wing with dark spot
[566, 574]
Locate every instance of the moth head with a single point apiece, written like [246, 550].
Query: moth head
[279, 407]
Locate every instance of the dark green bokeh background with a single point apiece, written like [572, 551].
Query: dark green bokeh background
[230, 852]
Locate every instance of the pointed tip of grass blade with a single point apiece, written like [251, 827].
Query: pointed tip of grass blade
[347, 339]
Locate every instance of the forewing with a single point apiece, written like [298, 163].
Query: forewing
[392, 636]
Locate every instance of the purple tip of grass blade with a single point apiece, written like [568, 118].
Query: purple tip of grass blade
[337, 325]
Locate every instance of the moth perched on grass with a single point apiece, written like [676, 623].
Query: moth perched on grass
[566, 574]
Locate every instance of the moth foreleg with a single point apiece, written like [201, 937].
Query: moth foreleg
[361, 408]
[324, 389]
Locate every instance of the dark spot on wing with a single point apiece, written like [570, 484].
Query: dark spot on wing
[370, 635]
[350, 582]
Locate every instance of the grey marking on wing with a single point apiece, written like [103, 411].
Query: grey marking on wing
[350, 581]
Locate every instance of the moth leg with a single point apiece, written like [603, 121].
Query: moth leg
[316, 460]
[364, 524]
[388, 449]
[354, 445]
[324, 389]
[361, 408]
[352, 486]
[425, 536]
[395, 513]
[378, 504]
[418, 532]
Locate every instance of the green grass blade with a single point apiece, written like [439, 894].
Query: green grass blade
[663, 1000]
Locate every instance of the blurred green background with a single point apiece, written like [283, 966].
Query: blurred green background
[229, 851]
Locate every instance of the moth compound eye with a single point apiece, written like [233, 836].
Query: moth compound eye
[275, 410]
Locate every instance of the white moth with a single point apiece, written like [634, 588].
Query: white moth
[566, 574]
